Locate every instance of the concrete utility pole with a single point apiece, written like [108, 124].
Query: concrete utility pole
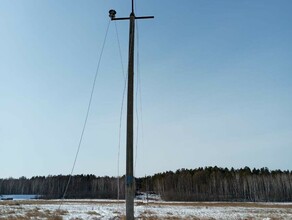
[130, 183]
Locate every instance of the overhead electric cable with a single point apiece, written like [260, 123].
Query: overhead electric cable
[121, 111]
[138, 107]
[87, 113]
[120, 52]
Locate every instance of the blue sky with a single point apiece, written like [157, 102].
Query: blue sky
[215, 82]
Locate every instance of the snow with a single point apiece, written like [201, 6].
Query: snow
[110, 209]
[148, 196]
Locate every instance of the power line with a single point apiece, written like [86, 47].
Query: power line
[121, 111]
[87, 114]
[137, 90]
[139, 112]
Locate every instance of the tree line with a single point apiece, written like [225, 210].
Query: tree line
[54, 187]
[222, 184]
[201, 184]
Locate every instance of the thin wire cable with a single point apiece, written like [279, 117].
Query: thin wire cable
[120, 51]
[87, 114]
[121, 111]
[138, 94]
[138, 97]
[136, 103]
[137, 89]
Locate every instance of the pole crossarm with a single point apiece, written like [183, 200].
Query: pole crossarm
[128, 18]
[112, 15]
[144, 17]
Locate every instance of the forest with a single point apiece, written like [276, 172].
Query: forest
[201, 184]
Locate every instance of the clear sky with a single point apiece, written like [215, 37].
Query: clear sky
[215, 82]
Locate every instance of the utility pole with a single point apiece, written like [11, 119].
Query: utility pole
[130, 183]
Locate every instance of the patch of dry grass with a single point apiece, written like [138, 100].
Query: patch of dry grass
[155, 217]
[18, 210]
[45, 214]
[150, 215]
[14, 218]
[93, 213]
[224, 204]
[205, 204]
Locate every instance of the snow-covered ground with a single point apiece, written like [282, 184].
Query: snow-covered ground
[109, 209]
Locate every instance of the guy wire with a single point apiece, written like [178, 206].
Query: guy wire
[86, 117]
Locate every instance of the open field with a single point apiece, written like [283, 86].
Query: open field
[110, 209]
